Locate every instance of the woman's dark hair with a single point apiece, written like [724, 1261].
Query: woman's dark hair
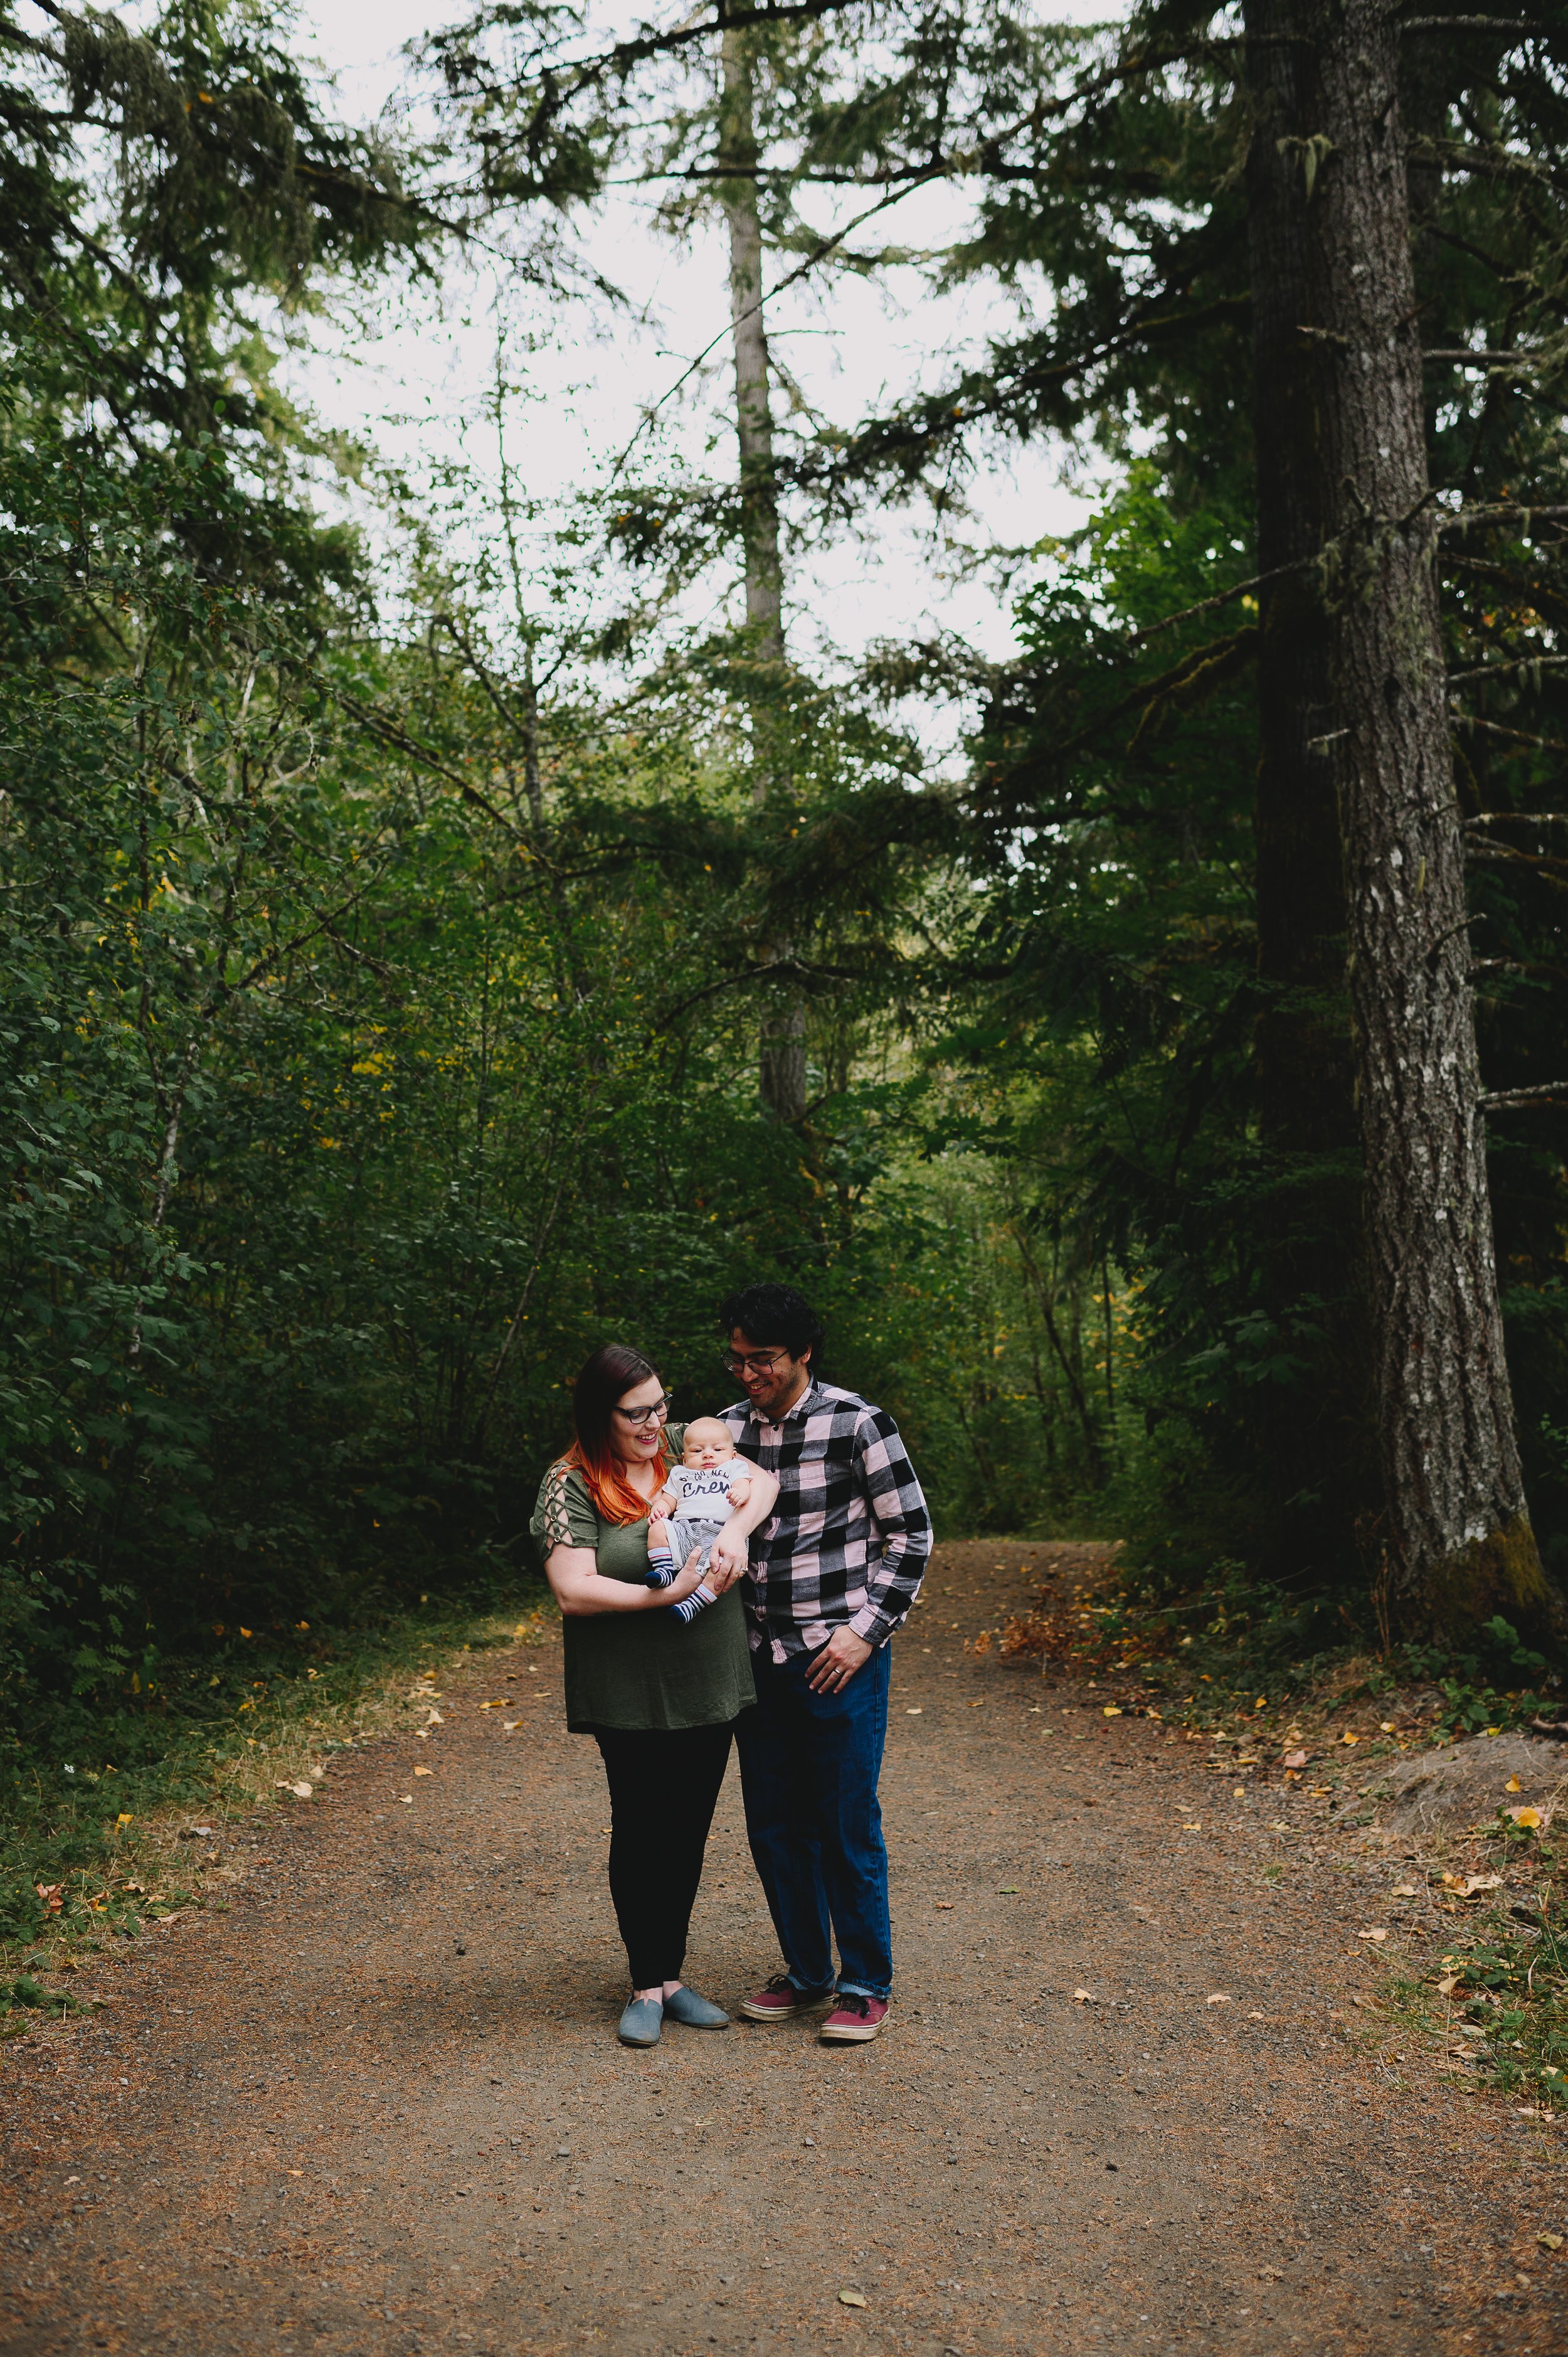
[614, 1369]
[773, 1313]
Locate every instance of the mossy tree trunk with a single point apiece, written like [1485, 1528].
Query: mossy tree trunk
[781, 1060]
[1321, 1437]
[1460, 1543]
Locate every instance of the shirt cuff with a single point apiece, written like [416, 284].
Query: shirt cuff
[873, 1627]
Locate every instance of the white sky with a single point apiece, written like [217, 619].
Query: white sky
[421, 393]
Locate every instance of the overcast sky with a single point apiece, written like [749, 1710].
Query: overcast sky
[422, 391]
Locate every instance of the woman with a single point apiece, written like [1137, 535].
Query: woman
[660, 1696]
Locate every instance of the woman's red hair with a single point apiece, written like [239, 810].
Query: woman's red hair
[610, 1373]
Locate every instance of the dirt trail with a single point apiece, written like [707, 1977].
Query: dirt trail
[377, 2106]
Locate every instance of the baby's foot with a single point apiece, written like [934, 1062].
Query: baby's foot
[689, 1606]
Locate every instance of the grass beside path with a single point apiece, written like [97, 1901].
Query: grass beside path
[117, 1819]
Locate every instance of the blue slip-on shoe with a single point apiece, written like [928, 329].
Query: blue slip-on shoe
[640, 2023]
[696, 2012]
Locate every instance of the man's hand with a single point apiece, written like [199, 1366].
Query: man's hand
[729, 1558]
[844, 1653]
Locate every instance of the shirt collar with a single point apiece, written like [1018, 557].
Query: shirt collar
[808, 1399]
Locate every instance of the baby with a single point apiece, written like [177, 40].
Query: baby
[696, 1502]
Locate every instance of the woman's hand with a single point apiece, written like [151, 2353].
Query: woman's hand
[686, 1582]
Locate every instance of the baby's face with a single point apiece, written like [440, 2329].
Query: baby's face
[706, 1443]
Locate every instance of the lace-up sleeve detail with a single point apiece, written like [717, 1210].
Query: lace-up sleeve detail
[563, 1515]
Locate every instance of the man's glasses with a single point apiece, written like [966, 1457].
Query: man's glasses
[658, 1414]
[763, 1364]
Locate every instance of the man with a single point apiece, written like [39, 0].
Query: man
[833, 1575]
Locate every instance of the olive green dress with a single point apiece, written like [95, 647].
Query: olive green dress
[640, 1669]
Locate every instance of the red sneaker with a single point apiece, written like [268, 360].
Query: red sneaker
[782, 2001]
[853, 2019]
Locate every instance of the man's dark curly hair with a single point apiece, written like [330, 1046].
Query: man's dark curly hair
[773, 1314]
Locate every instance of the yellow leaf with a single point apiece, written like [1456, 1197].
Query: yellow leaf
[1239, 1793]
[1082, 1997]
[1402, 1890]
[1513, 1785]
[1110, 1710]
[425, 1771]
[853, 2298]
[1372, 1935]
[1529, 1818]
[124, 1818]
[1348, 1738]
[1550, 2242]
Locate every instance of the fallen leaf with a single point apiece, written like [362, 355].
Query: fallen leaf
[1448, 1983]
[946, 1906]
[1007, 1890]
[853, 2298]
[1372, 1935]
[1110, 1710]
[1296, 1759]
[1466, 1885]
[52, 1894]
[1216, 2000]
[1348, 1738]
[300, 1789]
[1550, 2242]
[1513, 1785]
[1529, 1818]
[1404, 1890]
[408, 1800]
[1257, 2017]
[978, 1705]
[914, 1711]
[425, 1771]
[509, 1724]
[1082, 1997]
[1239, 1793]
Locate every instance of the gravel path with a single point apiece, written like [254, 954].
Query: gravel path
[377, 2106]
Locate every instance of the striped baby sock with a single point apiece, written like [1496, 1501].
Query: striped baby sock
[689, 1606]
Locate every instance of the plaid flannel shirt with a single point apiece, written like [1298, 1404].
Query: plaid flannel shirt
[849, 1540]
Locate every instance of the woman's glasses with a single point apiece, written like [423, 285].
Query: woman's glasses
[658, 1414]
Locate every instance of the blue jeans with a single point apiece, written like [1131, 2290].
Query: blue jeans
[808, 1766]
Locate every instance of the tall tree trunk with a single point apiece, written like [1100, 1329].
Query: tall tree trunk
[781, 1062]
[1461, 1543]
[1320, 1442]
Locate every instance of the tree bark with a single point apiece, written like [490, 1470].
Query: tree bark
[781, 1060]
[1320, 1442]
[1460, 1541]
